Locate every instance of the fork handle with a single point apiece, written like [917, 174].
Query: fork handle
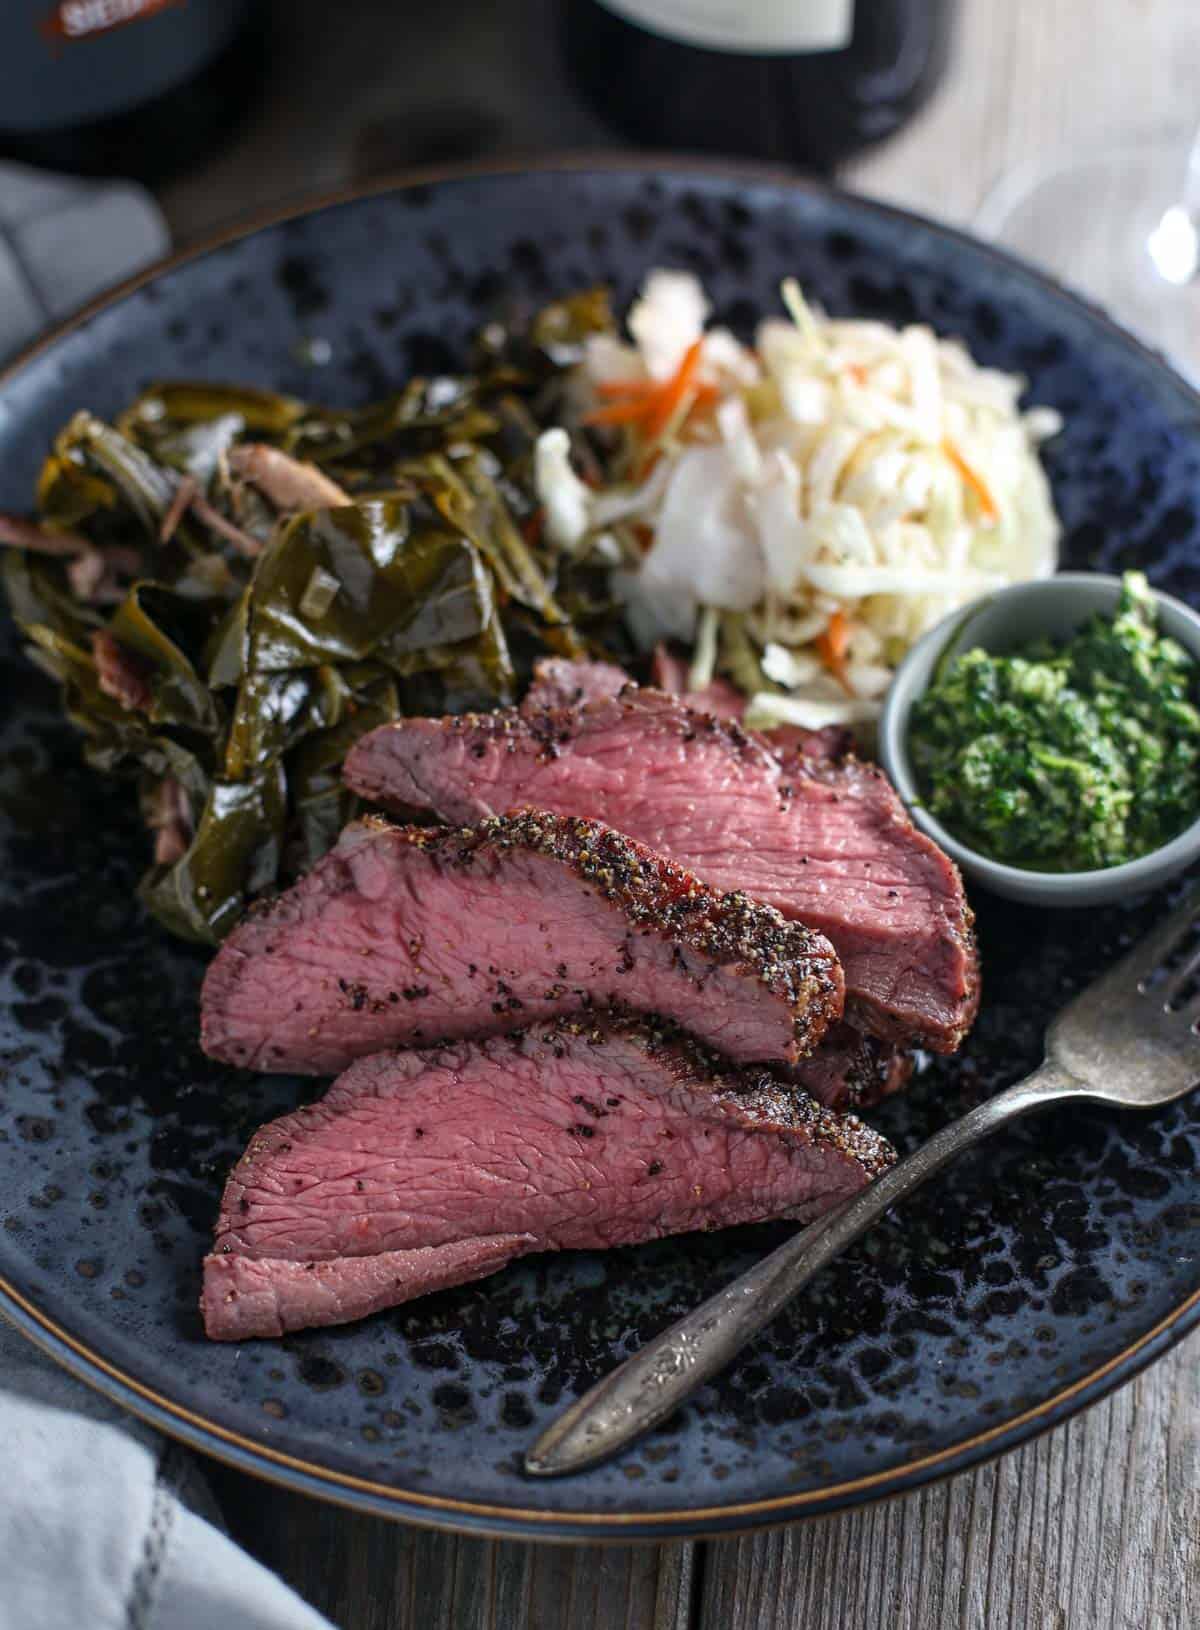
[651, 1385]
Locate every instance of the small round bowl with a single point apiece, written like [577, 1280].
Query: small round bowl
[1053, 608]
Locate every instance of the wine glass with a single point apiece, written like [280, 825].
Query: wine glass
[1121, 226]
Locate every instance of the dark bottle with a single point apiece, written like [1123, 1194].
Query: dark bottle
[139, 88]
[805, 82]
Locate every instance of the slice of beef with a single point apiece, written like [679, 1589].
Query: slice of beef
[407, 935]
[670, 673]
[851, 1070]
[561, 682]
[826, 844]
[267, 1296]
[424, 1169]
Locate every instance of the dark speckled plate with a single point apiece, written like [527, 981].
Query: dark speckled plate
[1042, 1271]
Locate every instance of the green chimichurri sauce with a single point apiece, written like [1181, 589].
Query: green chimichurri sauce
[1068, 757]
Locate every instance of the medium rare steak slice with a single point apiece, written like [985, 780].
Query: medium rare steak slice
[669, 673]
[561, 682]
[403, 935]
[268, 1296]
[427, 1168]
[850, 1070]
[828, 844]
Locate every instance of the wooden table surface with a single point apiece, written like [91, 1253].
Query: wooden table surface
[1095, 1526]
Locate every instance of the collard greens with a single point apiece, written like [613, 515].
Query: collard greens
[224, 649]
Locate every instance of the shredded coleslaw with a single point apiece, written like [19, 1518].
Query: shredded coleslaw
[818, 501]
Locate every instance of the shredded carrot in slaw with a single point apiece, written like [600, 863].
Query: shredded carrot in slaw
[831, 647]
[666, 401]
[983, 493]
[648, 405]
[629, 411]
[634, 389]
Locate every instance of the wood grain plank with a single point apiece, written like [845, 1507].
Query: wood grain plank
[1094, 1527]
[367, 1574]
[1031, 81]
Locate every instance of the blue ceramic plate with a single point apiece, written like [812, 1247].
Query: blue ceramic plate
[1043, 1271]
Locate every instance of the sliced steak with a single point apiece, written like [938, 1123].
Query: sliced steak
[850, 1070]
[428, 1168]
[828, 844]
[267, 1296]
[406, 935]
[560, 682]
[670, 673]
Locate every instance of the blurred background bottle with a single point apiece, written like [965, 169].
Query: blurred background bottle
[138, 88]
[804, 82]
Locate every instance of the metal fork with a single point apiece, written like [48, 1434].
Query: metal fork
[1130, 1039]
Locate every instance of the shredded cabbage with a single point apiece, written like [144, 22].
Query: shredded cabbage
[565, 499]
[839, 470]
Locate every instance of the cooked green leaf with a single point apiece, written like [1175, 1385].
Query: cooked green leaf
[166, 633]
[234, 855]
[253, 647]
[182, 402]
[400, 589]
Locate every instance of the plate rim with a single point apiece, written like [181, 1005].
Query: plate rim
[515, 1521]
[487, 1519]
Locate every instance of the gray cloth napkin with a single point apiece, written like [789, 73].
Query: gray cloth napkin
[62, 241]
[103, 1525]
